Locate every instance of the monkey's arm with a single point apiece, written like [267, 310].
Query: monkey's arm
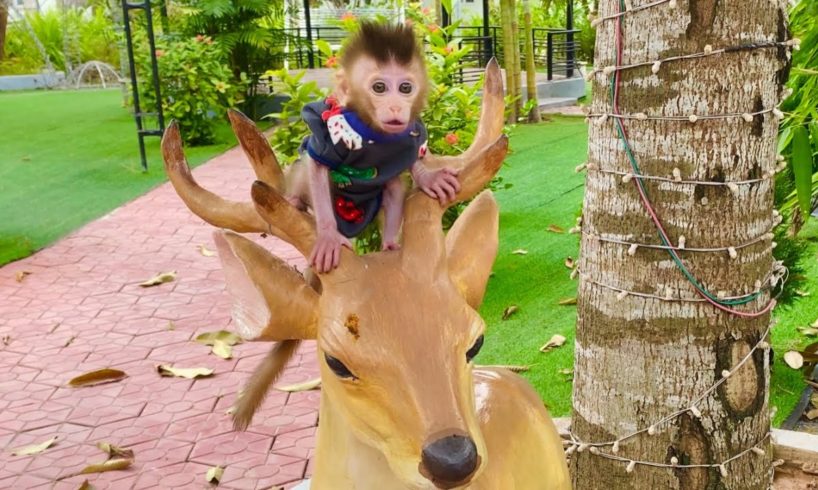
[441, 184]
[393, 197]
[326, 254]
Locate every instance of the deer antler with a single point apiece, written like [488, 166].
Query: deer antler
[477, 166]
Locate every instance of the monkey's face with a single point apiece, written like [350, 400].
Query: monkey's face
[388, 96]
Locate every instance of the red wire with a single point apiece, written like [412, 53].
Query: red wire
[644, 197]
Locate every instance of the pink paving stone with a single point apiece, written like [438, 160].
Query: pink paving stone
[85, 289]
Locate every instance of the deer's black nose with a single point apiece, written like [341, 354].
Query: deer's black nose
[450, 459]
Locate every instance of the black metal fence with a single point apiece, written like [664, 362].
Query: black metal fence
[555, 50]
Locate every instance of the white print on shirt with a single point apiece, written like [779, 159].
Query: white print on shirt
[340, 130]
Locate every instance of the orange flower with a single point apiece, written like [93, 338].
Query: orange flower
[425, 11]
[331, 62]
[159, 53]
[348, 16]
[448, 50]
[433, 28]
[451, 139]
[199, 38]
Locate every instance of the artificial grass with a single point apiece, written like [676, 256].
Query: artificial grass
[546, 191]
[69, 157]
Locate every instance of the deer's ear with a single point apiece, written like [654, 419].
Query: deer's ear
[471, 247]
[271, 301]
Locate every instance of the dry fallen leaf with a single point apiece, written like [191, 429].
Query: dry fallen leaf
[814, 324]
[801, 293]
[557, 340]
[86, 486]
[569, 262]
[210, 338]
[520, 251]
[812, 414]
[158, 279]
[511, 367]
[214, 475]
[21, 275]
[189, 373]
[110, 465]
[69, 341]
[510, 310]
[33, 448]
[115, 451]
[206, 251]
[568, 301]
[97, 377]
[794, 359]
[566, 371]
[809, 331]
[222, 349]
[555, 229]
[303, 386]
[6, 339]
[171, 326]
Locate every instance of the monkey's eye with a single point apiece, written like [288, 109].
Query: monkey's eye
[406, 88]
[474, 349]
[379, 87]
[338, 367]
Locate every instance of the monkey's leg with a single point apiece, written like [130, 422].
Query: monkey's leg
[297, 185]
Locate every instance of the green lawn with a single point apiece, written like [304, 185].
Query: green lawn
[69, 157]
[547, 191]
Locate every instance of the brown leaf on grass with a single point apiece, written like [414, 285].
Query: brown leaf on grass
[33, 448]
[189, 373]
[205, 251]
[794, 359]
[158, 279]
[520, 251]
[569, 262]
[566, 371]
[802, 293]
[214, 475]
[109, 465]
[20, 275]
[568, 301]
[308, 385]
[509, 311]
[115, 451]
[808, 331]
[86, 486]
[556, 340]
[812, 414]
[555, 229]
[97, 377]
[814, 324]
[511, 367]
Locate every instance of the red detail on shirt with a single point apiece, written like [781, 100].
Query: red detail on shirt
[348, 211]
[334, 108]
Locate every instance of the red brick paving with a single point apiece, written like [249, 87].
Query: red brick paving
[81, 309]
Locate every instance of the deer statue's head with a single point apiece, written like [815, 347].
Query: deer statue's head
[396, 330]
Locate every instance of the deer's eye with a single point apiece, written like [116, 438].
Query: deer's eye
[338, 367]
[475, 349]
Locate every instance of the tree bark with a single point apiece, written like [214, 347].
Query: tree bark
[518, 69]
[4, 20]
[639, 359]
[508, 54]
[530, 69]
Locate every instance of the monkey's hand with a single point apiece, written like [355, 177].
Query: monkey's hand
[326, 254]
[441, 184]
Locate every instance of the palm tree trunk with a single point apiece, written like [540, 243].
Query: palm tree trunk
[641, 358]
[518, 69]
[530, 69]
[4, 20]
[510, 49]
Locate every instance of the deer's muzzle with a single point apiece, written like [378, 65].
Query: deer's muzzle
[450, 461]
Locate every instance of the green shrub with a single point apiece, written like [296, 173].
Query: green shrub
[196, 83]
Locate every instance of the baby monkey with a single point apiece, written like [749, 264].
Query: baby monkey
[364, 137]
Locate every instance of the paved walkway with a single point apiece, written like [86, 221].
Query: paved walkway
[81, 309]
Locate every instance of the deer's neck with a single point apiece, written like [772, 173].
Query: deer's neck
[343, 461]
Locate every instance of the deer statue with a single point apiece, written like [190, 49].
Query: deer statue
[402, 405]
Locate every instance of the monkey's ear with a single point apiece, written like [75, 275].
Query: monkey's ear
[271, 301]
[471, 247]
[341, 87]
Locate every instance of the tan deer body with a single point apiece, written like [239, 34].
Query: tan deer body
[402, 406]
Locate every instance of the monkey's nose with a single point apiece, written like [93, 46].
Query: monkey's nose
[450, 460]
